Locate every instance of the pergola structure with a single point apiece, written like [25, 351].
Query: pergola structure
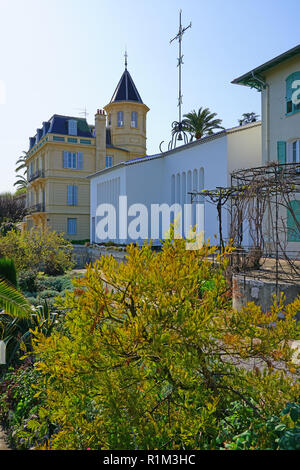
[263, 202]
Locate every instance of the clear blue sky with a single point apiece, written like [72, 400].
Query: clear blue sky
[65, 55]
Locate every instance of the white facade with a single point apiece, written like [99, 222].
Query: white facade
[168, 178]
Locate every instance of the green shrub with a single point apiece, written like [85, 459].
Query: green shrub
[8, 270]
[243, 430]
[79, 242]
[47, 294]
[57, 283]
[45, 251]
[7, 227]
[20, 407]
[27, 280]
[144, 362]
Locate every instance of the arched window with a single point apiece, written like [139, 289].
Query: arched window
[293, 93]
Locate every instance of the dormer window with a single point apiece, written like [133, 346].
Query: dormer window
[72, 127]
[134, 119]
[120, 120]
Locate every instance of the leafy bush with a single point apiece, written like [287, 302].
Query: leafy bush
[79, 242]
[27, 280]
[148, 360]
[7, 227]
[8, 270]
[20, 407]
[38, 250]
[58, 283]
[243, 430]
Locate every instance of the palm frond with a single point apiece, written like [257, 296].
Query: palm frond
[13, 302]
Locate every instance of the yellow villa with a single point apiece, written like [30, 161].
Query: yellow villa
[67, 149]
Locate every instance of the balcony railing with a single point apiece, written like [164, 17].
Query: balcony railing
[36, 208]
[36, 175]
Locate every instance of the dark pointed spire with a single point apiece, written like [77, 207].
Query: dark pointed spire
[126, 89]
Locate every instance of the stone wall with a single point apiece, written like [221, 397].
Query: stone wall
[89, 254]
[246, 289]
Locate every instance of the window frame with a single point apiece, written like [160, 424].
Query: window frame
[120, 122]
[72, 127]
[72, 160]
[134, 122]
[72, 195]
[107, 157]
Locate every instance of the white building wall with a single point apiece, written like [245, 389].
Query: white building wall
[168, 178]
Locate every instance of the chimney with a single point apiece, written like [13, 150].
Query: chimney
[100, 135]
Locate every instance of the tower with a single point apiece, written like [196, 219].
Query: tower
[126, 114]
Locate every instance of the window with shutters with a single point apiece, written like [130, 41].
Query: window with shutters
[293, 93]
[72, 227]
[73, 160]
[72, 195]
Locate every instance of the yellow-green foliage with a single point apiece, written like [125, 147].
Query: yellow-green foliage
[38, 249]
[150, 358]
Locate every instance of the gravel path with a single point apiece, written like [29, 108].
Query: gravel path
[3, 444]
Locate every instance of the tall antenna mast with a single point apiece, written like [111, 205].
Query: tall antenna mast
[83, 112]
[178, 130]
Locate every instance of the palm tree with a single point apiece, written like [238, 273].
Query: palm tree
[22, 181]
[247, 118]
[202, 123]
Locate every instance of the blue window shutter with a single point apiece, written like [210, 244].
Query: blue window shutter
[74, 160]
[72, 226]
[65, 159]
[293, 234]
[75, 195]
[80, 160]
[281, 152]
[69, 159]
[70, 195]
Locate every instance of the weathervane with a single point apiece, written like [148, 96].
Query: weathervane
[177, 127]
[126, 58]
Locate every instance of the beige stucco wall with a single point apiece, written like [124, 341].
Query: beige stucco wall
[244, 148]
[132, 138]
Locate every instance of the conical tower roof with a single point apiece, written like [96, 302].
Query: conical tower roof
[126, 90]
